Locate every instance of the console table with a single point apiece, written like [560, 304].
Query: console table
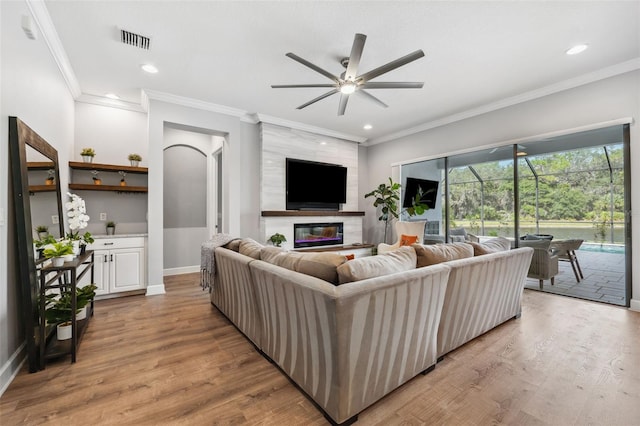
[65, 278]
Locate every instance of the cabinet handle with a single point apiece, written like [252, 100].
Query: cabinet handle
[105, 258]
[108, 244]
[111, 257]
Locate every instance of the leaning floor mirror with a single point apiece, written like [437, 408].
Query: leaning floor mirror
[37, 202]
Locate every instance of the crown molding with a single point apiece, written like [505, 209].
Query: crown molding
[592, 77]
[113, 103]
[45, 25]
[307, 128]
[193, 103]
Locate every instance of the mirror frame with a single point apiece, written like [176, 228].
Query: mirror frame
[21, 136]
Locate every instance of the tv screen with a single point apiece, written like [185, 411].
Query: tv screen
[429, 192]
[315, 186]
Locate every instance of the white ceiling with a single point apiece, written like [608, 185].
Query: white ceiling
[229, 53]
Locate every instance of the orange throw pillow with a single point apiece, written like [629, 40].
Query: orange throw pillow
[407, 240]
[350, 256]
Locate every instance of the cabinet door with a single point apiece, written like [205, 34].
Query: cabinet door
[127, 269]
[100, 272]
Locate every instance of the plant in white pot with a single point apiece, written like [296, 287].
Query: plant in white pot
[135, 159]
[111, 228]
[59, 313]
[87, 154]
[57, 251]
[84, 295]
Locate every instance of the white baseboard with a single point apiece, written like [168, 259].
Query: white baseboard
[634, 305]
[181, 270]
[12, 367]
[153, 290]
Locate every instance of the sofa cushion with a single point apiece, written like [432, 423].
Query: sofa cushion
[493, 245]
[320, 265]
[402, 259]
[250, 248]
[407, 240]
[233, 245]
[438, 253]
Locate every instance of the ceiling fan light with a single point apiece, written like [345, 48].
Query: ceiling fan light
[348, 87]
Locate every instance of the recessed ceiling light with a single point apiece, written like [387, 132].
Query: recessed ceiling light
[112, 96]
[367, 127]
[578, 48]
[149, 68]
[323, 142]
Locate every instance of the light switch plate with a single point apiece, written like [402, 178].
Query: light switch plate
[103, 216]
[1, 216]
[54, 219]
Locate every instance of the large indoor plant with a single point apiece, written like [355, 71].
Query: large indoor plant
[386, 196]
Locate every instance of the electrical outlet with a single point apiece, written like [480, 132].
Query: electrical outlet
[103, 216]
[54, 219]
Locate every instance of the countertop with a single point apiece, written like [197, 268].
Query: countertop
[102, 236]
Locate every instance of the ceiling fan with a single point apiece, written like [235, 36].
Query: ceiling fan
[350, 82]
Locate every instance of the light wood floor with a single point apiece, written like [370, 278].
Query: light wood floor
[174, 359]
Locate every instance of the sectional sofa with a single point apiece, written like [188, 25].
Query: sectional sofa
[348, 332]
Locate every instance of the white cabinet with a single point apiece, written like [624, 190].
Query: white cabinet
[120, 264]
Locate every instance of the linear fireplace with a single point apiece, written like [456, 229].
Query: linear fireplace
[317, 234]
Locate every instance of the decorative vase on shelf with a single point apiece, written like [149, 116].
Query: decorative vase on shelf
[87, 158]
[134, 163]
[63, 331]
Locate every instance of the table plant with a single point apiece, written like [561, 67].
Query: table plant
[277, 239]
[57, 251]
[134, 159]
[87, 154]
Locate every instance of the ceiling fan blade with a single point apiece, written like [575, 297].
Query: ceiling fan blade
[343, 104]
[372, 98]
[354, 58]
[293, 86]
[392, 85]
[319, 98]
[313, 67]
[391, 66]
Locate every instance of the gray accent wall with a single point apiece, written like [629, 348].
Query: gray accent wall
[185, 187]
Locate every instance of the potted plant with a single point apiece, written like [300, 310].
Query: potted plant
[87, 154]
[96, 179]
[386, 196]
[277, 239]
[84, 295]
[86, 239]
[56, 252]
[59, 313]
[135, 159]
[42, 231]
[111, 228]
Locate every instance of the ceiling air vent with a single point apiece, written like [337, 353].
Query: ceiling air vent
[133, 39]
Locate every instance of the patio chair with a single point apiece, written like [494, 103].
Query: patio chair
[566, 251]
[415, 228]
[544, 264]
[460, 235]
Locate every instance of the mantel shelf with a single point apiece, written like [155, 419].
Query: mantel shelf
[114, 188]
[293, 213]
[107, 167]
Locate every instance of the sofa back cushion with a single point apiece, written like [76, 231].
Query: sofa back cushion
[320, 265]
[401, 259]
[438, 253]
[493, 245]
[250, 248]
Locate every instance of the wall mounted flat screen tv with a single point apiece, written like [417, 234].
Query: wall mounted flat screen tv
[429, 192]
[315, 186]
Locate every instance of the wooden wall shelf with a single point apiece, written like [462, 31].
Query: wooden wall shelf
[107, 167]
[40, 165]
[114, 188]
[42, 188]
[293, 213]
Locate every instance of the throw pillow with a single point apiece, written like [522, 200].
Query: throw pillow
[350, 256]
[250, 248]
[402, 259]
[493, 245]
[407, 240]
[233, 245]
[438, 253]
[319, 265]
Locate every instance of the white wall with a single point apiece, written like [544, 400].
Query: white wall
[239, 172]
[32, 89]
[609, 99]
